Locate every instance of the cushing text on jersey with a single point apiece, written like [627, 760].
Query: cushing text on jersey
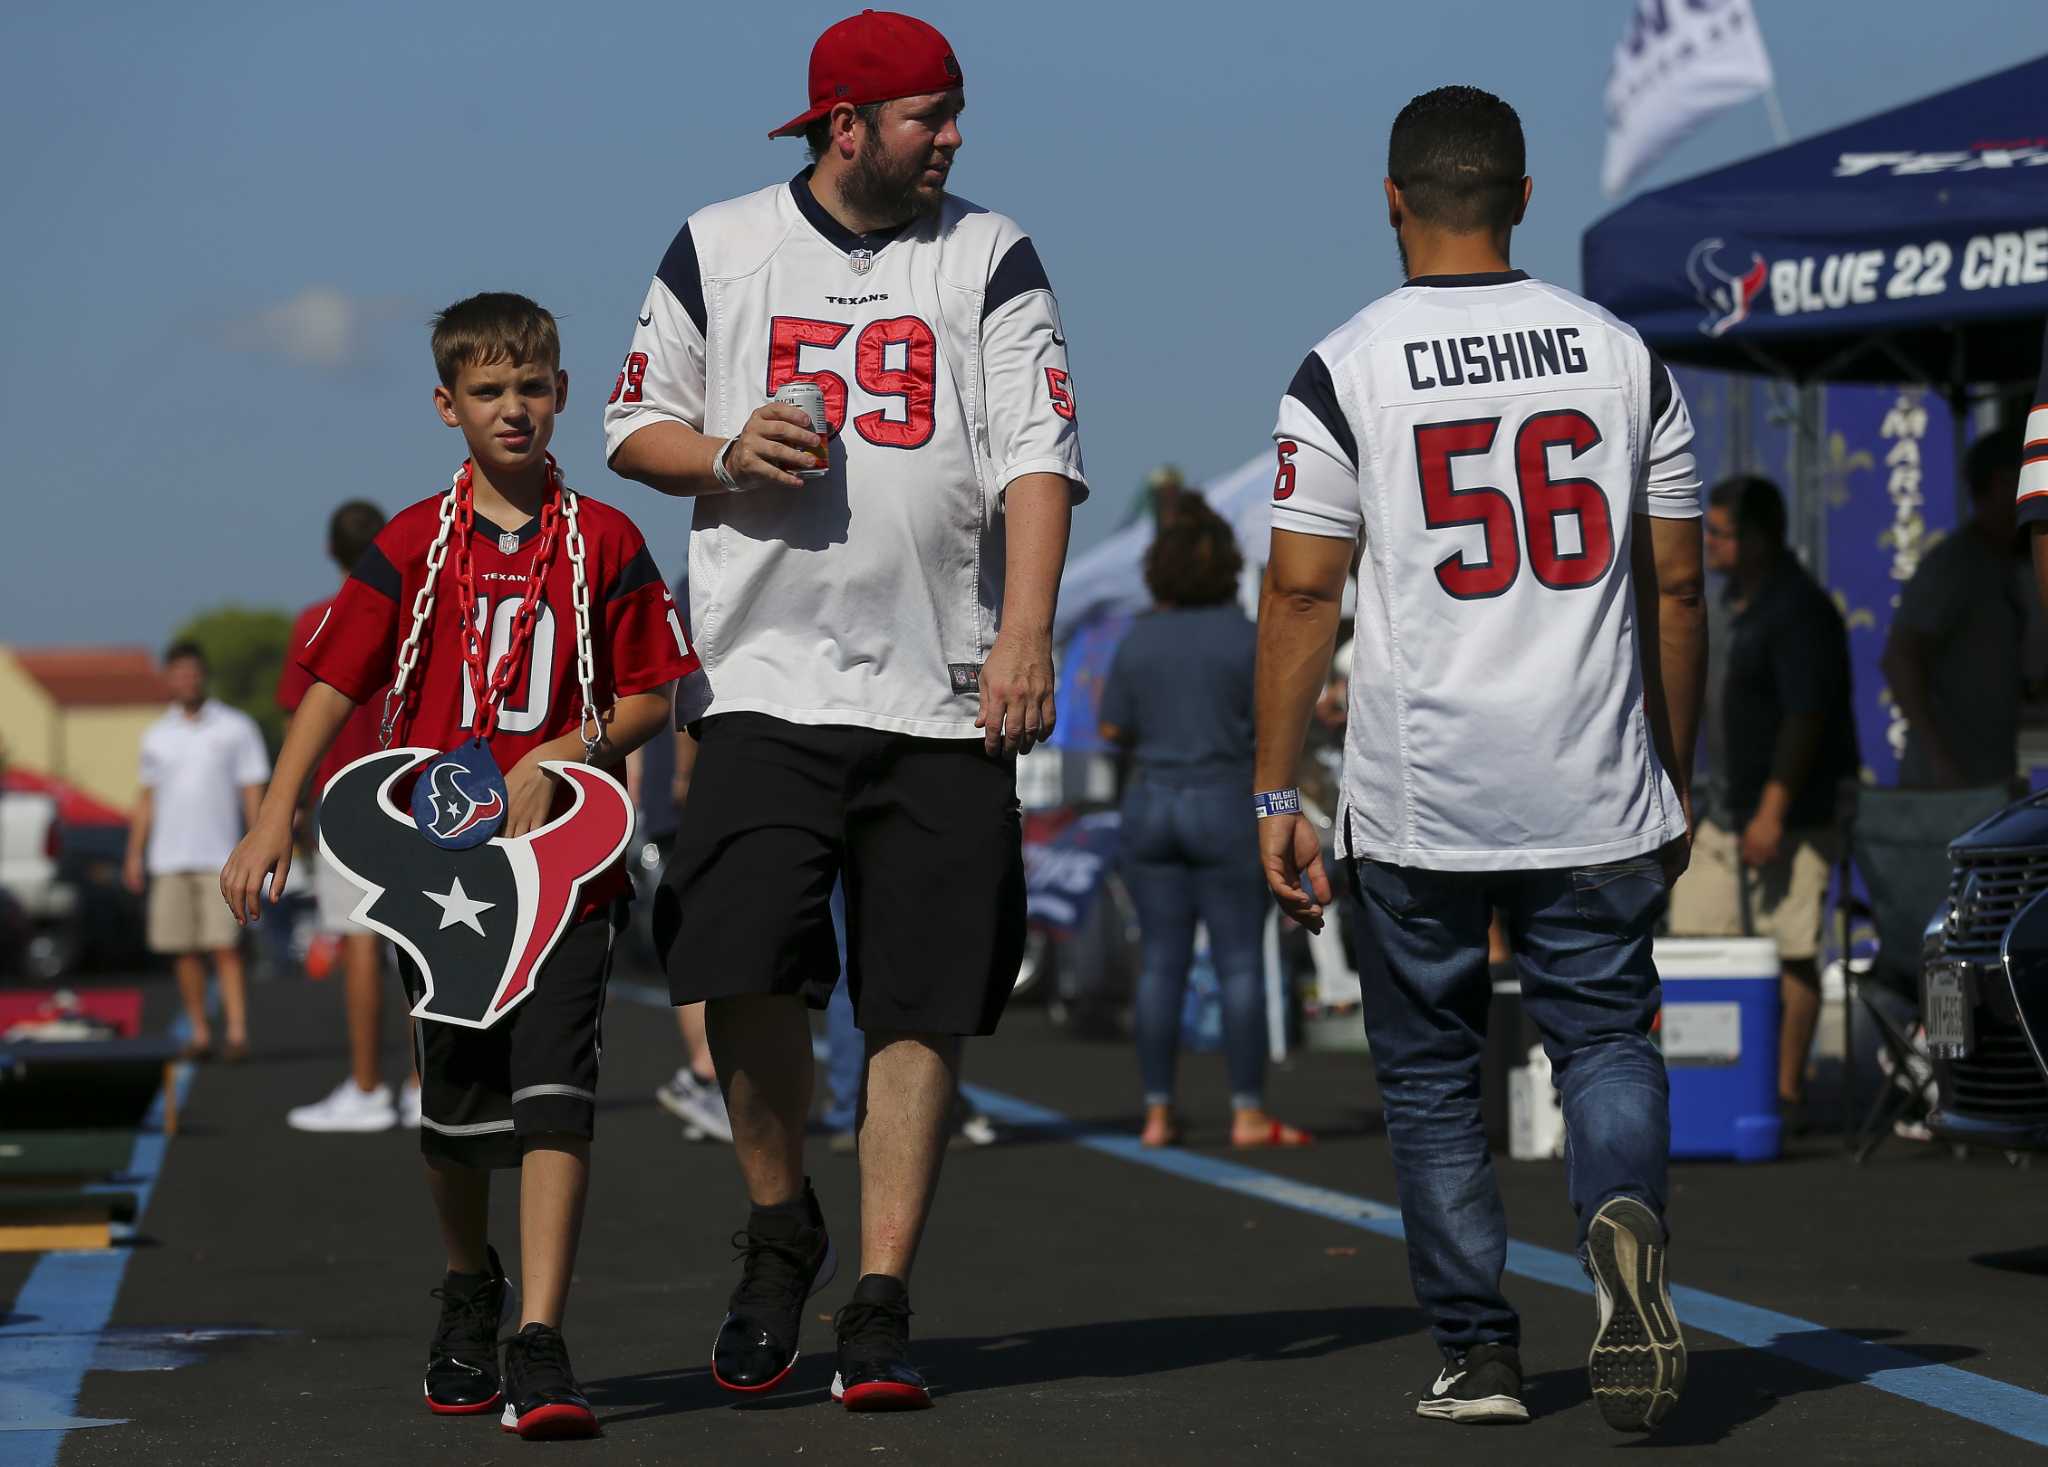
[1510, 356]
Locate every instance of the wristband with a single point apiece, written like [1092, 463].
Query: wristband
[1277, 802]
[720, 472]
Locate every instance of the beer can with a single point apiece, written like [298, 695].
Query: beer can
[809, 399]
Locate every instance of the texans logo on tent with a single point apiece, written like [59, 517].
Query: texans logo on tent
[477, 923]
[1726, 296]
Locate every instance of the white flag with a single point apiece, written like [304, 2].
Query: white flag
[1680, 61]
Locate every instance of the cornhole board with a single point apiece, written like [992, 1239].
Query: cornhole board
[31, 1060]
[38, 1219]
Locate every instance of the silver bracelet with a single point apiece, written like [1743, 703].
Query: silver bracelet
[720, 472]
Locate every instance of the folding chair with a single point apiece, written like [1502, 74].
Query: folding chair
[1898, 842]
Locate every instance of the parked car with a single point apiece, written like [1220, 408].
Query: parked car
[1984, 984]
[31, 840]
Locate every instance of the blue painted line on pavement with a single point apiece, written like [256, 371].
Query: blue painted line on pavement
[1993, 1403]
[53, 1330]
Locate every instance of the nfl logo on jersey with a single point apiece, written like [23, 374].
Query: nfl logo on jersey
[860, 261]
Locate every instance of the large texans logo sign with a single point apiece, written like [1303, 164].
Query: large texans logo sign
[477, 923]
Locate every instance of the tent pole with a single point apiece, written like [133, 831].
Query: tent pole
[1777, 115]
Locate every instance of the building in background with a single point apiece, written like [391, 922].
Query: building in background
[78, 713]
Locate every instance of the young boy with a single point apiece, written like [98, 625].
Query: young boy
[520, 1092]
[361, 1102]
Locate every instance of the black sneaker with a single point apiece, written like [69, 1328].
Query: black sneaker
[1482, 1387]
[1637, 1366]
[462, 1361]
[542, 1400]
[875, 1373]
[788, 1257]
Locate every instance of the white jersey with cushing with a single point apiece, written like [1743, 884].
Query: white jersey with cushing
[871, 595]
[1493, 440]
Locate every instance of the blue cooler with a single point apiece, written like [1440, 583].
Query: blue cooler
[1719, 1030]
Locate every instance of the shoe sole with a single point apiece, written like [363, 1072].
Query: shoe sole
[557, 1423]
[1486, 1411]
[880, 1395]
[477, 1410]
[1637, 1364]
[350, 1128]
[823, 1279]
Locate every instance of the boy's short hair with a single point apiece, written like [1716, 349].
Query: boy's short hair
[1458, 158]
[350, 530]
[182, 648]
[496, 326]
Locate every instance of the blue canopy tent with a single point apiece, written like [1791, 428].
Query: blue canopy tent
[1911, 246]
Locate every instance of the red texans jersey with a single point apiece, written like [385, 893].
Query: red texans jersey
[637, 638]
[359, 735]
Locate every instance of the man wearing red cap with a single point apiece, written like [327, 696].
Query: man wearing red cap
[877, 634]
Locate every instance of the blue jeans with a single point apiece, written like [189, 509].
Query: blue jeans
[1190, 853]
[845, 1050]
[1581, 940]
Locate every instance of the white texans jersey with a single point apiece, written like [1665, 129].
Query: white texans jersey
[871, 595]
[1492, 439]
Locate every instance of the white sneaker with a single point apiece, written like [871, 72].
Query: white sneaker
[346, 1109]
[409, 1105]
[703, 1111]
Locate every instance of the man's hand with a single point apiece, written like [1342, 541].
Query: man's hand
[132, 875]
[1763, 842]
[264, 851]
[529, 795]
[776, 442]
[1291, 854]
[1016, 693]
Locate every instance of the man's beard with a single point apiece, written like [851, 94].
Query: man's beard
[1401, 250]
[871, 188]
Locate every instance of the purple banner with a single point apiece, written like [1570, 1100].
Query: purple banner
[1888, 479]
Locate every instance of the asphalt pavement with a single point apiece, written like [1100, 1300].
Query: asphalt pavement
[1078, 1300]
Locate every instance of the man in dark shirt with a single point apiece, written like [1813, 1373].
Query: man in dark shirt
[1953, 658]
[1761, 861]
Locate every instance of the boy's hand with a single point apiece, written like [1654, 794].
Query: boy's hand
[529, 795]
[265, 851]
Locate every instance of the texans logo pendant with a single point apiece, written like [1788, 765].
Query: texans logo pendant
[860, 261]
[459, 801]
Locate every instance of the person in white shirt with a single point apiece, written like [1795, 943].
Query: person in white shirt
[1524, 697]
[878, 645]
[203, 772]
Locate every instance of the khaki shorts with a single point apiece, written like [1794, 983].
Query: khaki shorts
[187, 914]
[1787, 899]
[334, 896]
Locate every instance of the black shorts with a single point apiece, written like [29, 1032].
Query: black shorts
[926, 833]
[533, 1072]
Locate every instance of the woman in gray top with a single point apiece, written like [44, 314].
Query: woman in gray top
[1179, 698]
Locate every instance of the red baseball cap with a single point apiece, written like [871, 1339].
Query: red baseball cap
[872, 57]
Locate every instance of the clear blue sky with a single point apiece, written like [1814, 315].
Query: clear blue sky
[227, 224]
